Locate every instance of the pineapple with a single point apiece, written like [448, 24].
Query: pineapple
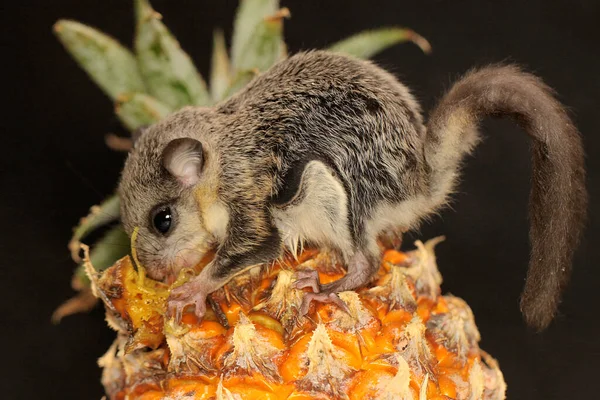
[399, 338]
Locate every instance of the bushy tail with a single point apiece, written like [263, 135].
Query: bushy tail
[558, 198]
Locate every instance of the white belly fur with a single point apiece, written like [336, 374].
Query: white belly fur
[406, 215]
[321, 217]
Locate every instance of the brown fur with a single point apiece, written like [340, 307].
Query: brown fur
[558, 198]
[332, 150]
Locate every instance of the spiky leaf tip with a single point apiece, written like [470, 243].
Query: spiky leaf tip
[167, 70]
[220, 67]
[249, 14]
[110, 65]
[264, 46]
[368, 43]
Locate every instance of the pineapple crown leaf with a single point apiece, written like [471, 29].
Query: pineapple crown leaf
[112, 246]
[136, 110]
[263, 47]
[249, 15]
[220, 66]
[109, 64]
[168, 71]
[99, 215]
[368, 43]
[240, 80]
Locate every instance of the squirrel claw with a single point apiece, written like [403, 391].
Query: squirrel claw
[307, 278]
[323, 298]
[310, 278]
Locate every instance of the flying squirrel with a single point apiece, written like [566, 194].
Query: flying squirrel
[331, 150]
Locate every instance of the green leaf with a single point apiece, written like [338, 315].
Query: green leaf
[168, 71]
[241, 79]
[368, 43]
[249, 14]
[220, 68]
[264, 46]
[100, 215]
[106, 61]
[136, 110]
[112, 247]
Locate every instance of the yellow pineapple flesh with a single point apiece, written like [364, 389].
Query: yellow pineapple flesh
[399, 338]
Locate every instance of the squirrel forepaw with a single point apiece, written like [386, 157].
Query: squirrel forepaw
[183, 296]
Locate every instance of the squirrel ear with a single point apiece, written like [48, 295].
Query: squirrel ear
[184, 159]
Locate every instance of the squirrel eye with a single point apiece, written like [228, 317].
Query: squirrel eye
[163, 220]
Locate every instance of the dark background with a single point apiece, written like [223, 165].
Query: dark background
[54, 165]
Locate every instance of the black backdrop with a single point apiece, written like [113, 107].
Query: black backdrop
[54, 165]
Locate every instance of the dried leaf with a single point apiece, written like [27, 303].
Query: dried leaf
[399, 386]
[423, 269]
[106, 212]
[423, 391]
[106, 61]
[118, 143]
[136, 110]
[168, 71]
[113, 246]
[477, 381]
[368, 43]
[144, 366]
[84, 301]
[249, 14]
[113, 375]
[495, 387]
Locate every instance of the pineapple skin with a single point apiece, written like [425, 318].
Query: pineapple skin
[398, 339]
